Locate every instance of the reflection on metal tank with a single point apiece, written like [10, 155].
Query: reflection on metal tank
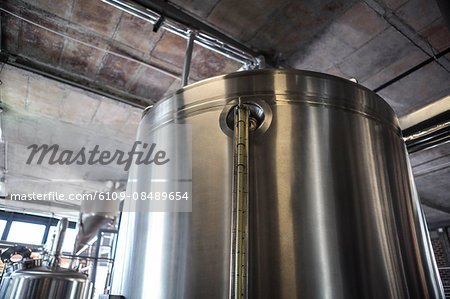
[332, 207]
[35, 280]
[31, 279]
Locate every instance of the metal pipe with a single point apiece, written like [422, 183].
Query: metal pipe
[58, 242]
[206, 37]
[161, 7]
[241, 121]
[187, 59]
[428, 138]
[62, 227]
[427, 132]
[95, 261]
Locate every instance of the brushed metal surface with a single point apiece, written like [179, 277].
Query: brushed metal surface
[333, 211]
[44, 282]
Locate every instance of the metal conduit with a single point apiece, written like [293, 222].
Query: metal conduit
[187, 59]
[428, 133]
[204, 39]
[428, 138]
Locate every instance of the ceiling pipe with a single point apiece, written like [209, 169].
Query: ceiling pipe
[180, 23]
[428, 134]
[429, 138]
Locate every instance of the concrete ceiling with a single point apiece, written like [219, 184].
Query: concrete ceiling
[374, 41]
[38, 110]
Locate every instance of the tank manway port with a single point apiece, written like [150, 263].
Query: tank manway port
[255, 119]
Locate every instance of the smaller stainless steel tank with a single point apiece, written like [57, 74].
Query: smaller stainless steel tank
[34, 280]
[30, 279]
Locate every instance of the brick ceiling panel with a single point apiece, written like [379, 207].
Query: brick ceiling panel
[128, 52]
[81, 59]
[419, 13]
[437, 34]
[358, 25]
[116, 71]
[413, 92]
[44, 98]
[96, 15]
[14, 88]
[199, 8]
[137, 33]
[396, 68]
[78, 108]
[315, 56]
[91, 39]
[342, 37]
[132, 123]
[206, 63]
[296, 23]
[385, 49]
[37, 16]
[10, 33]
[151, 84]
[111, 115]
[171, 48]
[242, 19]
[39, 44]
[61, 8]
[393, 4]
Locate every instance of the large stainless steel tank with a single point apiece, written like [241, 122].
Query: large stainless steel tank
[333, 211]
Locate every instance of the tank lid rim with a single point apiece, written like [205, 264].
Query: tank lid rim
[273, 71]
[314, 84]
